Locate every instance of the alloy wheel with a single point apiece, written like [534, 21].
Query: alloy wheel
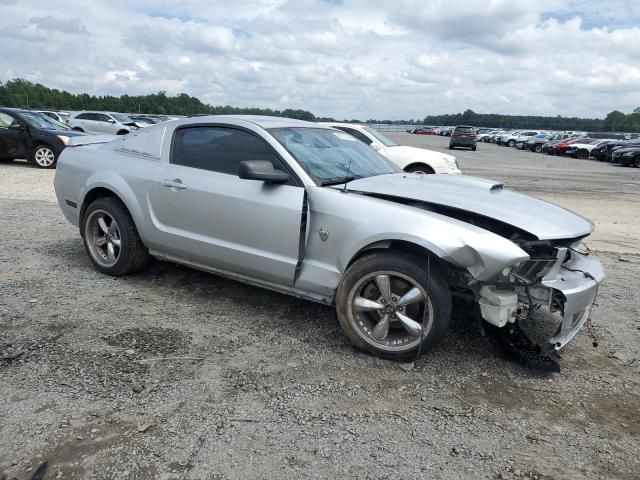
[44, 156]
[102, 236]
[387, 310]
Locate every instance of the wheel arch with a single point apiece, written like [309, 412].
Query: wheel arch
[420, 164]
[118, 189]
[412, 248]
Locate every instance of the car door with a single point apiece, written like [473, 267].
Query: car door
[86, 122]
[13, 136]
[214, 218]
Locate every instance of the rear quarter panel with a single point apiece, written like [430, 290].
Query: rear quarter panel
[132, 178]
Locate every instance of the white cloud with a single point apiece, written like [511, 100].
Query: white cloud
[357, 58]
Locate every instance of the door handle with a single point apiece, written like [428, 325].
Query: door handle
[175, 183]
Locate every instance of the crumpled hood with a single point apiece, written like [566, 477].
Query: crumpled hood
[481, 196]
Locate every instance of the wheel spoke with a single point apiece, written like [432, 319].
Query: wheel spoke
[361, 304]
[111, 254]
[103, 225]
[412, 296]
[383, 282]
[116, 242]
[113, 228]
[100, 241]
[381, 330]
[410, 325]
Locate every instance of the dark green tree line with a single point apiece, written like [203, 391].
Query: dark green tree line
[24, 94]
[614, 122]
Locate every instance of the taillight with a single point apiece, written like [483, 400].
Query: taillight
[472, 136]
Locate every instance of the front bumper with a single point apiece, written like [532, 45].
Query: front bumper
[569, 287]
[577, 280]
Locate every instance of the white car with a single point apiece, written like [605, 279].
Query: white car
[583, 148]
[110, 123]
[57, 116]
[410, 159]
[519, 136]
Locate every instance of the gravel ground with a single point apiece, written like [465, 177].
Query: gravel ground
[177, 374]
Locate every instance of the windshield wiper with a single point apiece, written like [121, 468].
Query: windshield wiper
[336, 181]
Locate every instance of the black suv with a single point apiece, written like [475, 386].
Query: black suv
[463, 136]
[32, 135]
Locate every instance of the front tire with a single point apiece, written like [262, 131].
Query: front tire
[511, 143]
[582, 154]
[387, 306]
[111, 239]
[537, 148]
[426, 169]
[44, 156]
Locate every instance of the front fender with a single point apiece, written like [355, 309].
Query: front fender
[355, 221]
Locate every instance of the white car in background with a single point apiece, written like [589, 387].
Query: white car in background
[519, 136]
[109, 123]
[583, 148]
[410, 159]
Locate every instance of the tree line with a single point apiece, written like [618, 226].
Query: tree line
[614, 122]
[21, 93]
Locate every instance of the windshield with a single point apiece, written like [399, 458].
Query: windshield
[330, 156]
[40, 120]
[121, 118]
[381, 138]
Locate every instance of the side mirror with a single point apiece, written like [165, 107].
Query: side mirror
[111, 120]
[18, 127]
[261, 170]
[376, 147]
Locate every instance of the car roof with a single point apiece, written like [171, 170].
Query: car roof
[263, 121]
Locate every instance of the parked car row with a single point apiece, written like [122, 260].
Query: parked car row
[32, 135]
[39, 136]
[612, 147]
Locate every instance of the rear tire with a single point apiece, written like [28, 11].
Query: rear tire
[537, 148]
[412, 321]
[473, 149]
[111, 239]
[511, 143]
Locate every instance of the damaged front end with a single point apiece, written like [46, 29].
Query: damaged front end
[557, 277]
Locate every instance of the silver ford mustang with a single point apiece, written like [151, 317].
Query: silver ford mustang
[310, 211]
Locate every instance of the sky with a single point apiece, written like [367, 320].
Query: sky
[391, 59]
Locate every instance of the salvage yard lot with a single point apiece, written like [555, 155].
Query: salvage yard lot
[173, 373]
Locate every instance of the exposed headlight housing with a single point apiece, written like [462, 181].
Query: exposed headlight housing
[64, 139]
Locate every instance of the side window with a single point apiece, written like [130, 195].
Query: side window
[5, 120]
[83, 116]
[101, 117]
[355, 133]
[219, 149]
